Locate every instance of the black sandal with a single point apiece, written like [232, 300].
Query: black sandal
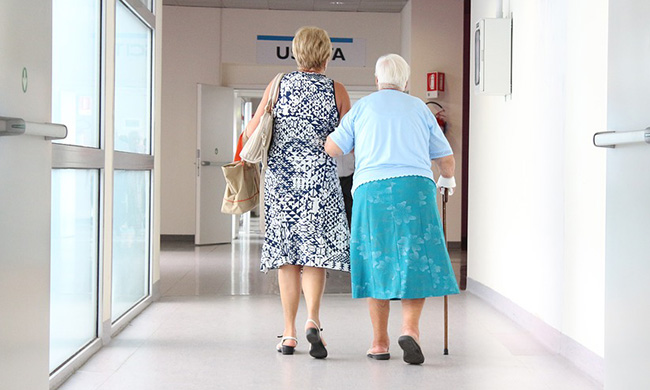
[378, 356]
[286, 349]
[317, 349]
[412, 351]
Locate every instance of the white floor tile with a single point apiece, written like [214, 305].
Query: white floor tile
[215, 328]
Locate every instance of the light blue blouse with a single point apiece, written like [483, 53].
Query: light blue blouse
[393, 134]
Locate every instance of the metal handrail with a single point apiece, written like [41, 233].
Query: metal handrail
[609, 139]
[18, 126]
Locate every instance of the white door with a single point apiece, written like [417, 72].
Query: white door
[216, 118]
[25, 174]
[627, 265]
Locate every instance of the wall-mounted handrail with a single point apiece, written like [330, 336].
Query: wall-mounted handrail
[18, 126]
[609, 139]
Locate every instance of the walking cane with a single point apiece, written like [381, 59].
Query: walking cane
[445, 197]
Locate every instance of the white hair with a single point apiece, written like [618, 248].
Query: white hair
[392, 71]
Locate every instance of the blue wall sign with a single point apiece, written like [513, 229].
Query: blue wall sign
[276, 49]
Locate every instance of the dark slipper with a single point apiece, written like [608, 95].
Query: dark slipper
[317, 349]
[286, 349]
[412, 351]
[378, 356]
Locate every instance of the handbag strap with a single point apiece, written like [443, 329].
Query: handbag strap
[273, 98]
[275, 91]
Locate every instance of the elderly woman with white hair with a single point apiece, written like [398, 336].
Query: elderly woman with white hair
[397, 247]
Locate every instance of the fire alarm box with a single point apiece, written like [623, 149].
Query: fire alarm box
[435, 84]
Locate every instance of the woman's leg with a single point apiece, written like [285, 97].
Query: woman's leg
[411, 312]
[409, 341]
[313, 286]
[289, 281]
[379, 311]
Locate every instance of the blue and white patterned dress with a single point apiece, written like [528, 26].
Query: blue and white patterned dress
[303, 203]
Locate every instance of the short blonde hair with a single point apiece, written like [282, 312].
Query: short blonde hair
[311, 47]
[392, 70]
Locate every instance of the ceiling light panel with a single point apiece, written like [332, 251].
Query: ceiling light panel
[336, 5]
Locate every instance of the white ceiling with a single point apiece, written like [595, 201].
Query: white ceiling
[298, 5]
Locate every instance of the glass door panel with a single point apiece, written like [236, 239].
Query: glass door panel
[131, 239]
[132, 83]
[74, 266]
[75, 70]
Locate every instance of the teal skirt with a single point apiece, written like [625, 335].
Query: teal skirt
[397, 248]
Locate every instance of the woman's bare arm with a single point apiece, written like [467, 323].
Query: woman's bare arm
[446, 165]
[332, 148]
[255, 120]
[342, 99]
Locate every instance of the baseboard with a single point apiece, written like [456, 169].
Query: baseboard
[177, 238]
[583, 358]
[454, 245]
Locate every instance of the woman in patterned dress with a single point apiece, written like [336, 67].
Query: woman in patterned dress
[306, 227]
[397, 249]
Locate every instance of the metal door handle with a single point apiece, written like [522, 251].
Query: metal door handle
[18, 126]
[609, 139]
[213, 163]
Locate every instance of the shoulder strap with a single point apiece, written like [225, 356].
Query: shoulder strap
[275, 90]
[273, 98]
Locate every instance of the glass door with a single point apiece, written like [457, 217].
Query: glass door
[133, 161]
[75, 241]
[103, 181]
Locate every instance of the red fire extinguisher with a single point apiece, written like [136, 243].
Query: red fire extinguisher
[441, 116]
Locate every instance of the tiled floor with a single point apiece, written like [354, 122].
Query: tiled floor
[215, 328]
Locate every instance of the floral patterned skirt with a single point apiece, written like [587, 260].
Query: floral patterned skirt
[397, 248]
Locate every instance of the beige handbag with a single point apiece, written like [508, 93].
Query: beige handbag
[242, 192]
[256, 149]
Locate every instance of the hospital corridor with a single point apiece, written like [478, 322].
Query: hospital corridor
[319, 194]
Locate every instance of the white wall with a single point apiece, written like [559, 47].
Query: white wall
[191, 49]
[241, 27]
[212, 46]
[536, 187]
[435, 43]
[584, 174]
[406, 15]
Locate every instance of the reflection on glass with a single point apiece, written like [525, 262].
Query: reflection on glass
[75, 248]
[132, 83]
[75, 69]
[130, 240]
